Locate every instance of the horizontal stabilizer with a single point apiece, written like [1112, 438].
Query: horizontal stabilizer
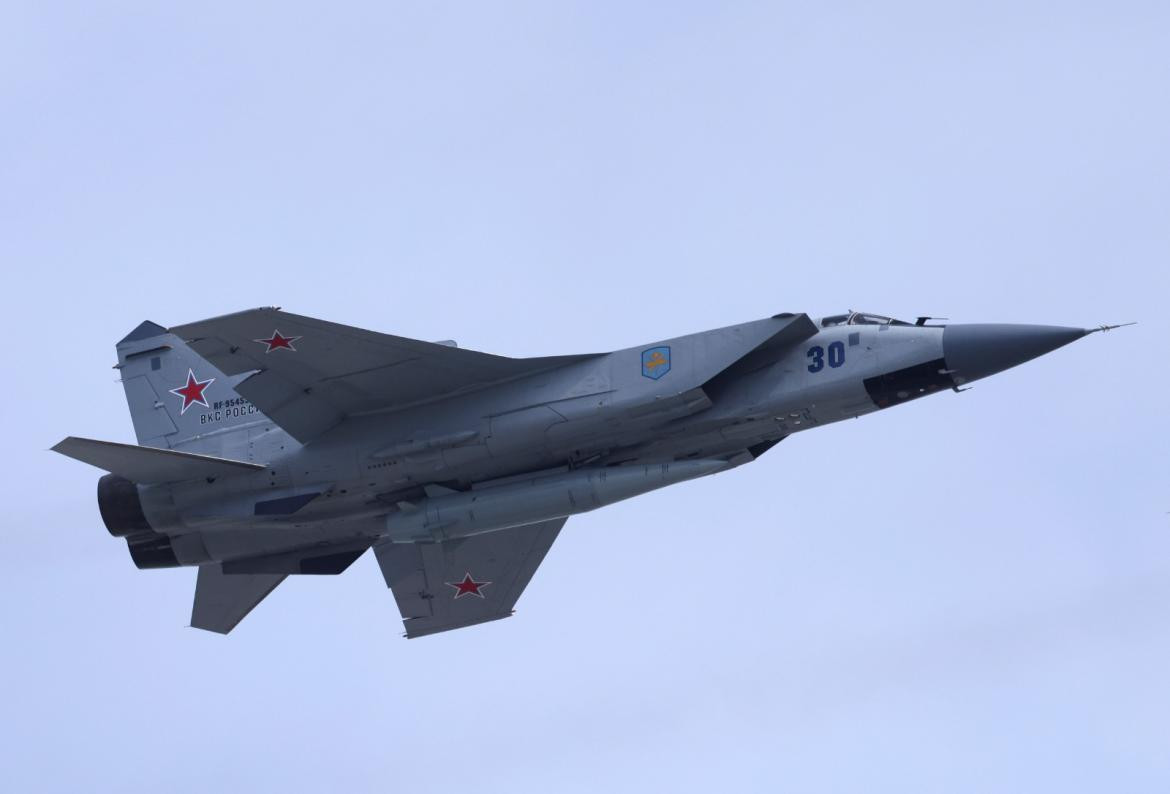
[222, 600]
[150, 465]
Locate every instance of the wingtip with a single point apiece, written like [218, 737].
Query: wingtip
[60, 446]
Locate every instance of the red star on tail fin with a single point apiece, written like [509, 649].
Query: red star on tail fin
[192, 393]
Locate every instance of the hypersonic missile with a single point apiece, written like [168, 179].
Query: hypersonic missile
[453, 514]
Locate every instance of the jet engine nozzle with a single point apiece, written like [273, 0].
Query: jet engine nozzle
[121, 509]
[978, 350]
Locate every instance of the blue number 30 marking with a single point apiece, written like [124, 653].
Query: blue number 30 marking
[817, 355]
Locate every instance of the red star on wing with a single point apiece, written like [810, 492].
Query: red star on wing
[467, 587]
[278, 342]
[192, 393]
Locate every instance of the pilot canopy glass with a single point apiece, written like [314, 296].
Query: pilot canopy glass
[860, 318]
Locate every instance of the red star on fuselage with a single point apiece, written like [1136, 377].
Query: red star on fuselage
[192, 393]
[278, 342]
[467, 587]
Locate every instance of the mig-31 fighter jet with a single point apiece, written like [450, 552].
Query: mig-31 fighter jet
[272, 444]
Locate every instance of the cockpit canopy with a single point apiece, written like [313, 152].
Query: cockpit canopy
[860, 318]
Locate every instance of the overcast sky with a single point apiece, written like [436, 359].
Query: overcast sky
[967, 593]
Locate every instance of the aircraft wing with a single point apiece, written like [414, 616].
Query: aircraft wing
[308, 374]
[461, 582]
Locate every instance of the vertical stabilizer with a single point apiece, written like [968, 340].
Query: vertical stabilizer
[176, 398]
[223, 600]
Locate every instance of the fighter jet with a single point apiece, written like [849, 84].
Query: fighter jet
[272, 444]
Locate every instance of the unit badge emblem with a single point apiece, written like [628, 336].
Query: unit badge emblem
[656, 362]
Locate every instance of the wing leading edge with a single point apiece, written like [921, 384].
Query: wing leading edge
[309, 374]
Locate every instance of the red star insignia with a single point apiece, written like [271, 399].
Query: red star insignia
[278, 342]
[467, 587]
[192, 393]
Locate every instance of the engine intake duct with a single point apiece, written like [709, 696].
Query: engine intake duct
[899, 386]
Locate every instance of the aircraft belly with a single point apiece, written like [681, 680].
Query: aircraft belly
[456, 458]
[239, 542]
[747, 433]
[454, 514]
[311, 466]
[189, 548]
[521, 431]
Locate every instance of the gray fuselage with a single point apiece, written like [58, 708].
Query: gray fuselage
[363, 479]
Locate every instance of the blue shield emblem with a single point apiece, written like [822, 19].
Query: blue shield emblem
[656, 362]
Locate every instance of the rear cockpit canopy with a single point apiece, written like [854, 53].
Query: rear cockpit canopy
[860, 318]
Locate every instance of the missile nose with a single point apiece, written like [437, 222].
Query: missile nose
[978, 350]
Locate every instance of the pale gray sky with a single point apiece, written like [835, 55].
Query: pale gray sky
[968, 593]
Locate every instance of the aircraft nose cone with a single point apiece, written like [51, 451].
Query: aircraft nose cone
[976, 351]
